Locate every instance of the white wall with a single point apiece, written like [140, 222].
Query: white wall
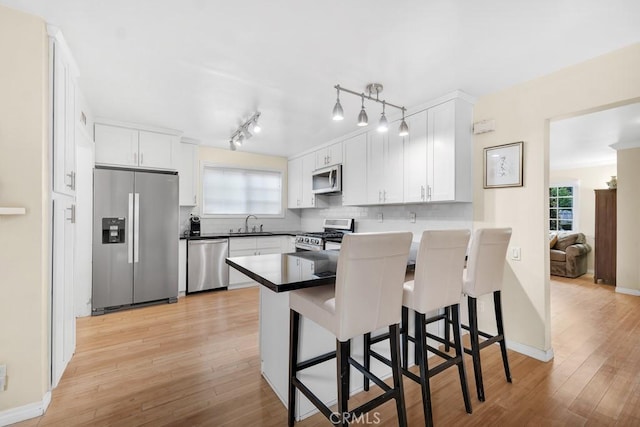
[588, 179]
[522, 113]
[24, 178]
[628, 241]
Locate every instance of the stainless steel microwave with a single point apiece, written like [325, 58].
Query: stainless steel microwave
[327, 180]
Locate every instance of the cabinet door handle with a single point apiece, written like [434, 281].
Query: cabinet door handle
[422, 192]
[379, 196]
[72, 217]
[428, 192]
[194, 199]
[142, 158]
[384, 196]
[72, 180]
[135, 159]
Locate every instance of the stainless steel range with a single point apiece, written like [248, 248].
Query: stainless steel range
[334, 230]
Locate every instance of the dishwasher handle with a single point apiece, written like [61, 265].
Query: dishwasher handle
[208, 241]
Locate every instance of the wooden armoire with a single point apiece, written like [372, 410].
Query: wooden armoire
[605, 237]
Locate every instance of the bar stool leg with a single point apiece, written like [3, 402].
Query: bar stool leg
[367, 358]
[455, 310]
[394, 343]
[404, 331]
[447, 329]
[475, 345]
[343, 348]
[499, 325]
[417, 342]
[294, 332]
[421, 342]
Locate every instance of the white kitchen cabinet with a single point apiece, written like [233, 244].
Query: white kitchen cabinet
[384, 168]
[188, 173]
[415, 159]
[63, 80]
[248, 246]
[299, 187]
[354, 171]
[329, 156]
[294, 183]
[182, 266]
[63, 321]
[449, 152]
[124, 146]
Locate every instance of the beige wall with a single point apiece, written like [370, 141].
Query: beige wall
[588, 179]
[522, 113]
[628, 243]
[24, 245]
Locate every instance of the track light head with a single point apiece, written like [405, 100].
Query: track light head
[240, 140]
[232, 146]
[403, 130]
[363, 120]
[383, 124]
[338, 113]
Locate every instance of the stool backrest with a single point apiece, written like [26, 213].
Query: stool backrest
[485, 267]
[439, 268]
[369, 278]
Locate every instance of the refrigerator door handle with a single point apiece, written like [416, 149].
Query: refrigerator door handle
[136, 227]
[130, 230]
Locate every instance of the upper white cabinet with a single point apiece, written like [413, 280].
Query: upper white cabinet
[449, 152]
[354, 171]
[187, 173]
[63, 78]
[384, 168]
[124, 146]
[415, 159]
[329, 156]
[299, 188]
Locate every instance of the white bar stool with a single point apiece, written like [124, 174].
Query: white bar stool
[483, 275]
[367, 296]
[437, 284]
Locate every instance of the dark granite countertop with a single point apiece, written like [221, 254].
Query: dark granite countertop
[228, 235]
[287, 272]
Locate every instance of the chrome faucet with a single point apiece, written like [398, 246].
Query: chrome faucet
[246, 222]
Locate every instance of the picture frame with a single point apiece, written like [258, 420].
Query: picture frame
[503, 165]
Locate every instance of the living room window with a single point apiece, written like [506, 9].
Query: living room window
[562, 208]
[231, 191]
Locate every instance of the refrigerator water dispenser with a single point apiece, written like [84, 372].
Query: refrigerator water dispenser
[112, 230]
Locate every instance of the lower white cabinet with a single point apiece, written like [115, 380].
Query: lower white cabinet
[248, 246]
[63, 320]
[182, 267]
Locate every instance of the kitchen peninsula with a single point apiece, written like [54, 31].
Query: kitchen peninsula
[278, 274]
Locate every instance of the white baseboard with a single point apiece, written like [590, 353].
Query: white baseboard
[536, 353]
[628, 291]
[21, 413]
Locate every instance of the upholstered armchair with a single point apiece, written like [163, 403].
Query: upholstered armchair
[568, 255]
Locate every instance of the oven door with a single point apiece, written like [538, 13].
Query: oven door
[305, 247]
[335, 246]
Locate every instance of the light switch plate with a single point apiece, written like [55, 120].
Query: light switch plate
[515, 254]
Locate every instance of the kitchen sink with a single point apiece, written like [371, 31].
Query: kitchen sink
[245, 234]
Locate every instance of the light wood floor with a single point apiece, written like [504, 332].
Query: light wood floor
[196, 363]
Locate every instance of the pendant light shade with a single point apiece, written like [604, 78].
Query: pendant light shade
[404, 129]
[338, 113]
[363, 120]
[383, 124]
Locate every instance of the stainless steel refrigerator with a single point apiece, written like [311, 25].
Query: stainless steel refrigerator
[135, 238]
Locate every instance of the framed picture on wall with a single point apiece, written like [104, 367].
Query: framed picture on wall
[503, 165]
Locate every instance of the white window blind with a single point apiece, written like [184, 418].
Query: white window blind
[236, 191]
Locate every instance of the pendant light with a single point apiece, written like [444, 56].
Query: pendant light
[403, 130]
[363, 120]
[383, 124]
[338, 113]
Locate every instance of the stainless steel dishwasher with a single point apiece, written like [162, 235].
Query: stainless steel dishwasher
[206, 265]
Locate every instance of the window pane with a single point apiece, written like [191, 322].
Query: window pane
[568, 226]
[565, 191]
[553, 192]
[553, 203]
[553, 213]
[553, 225]
[234, 191]
[565, 202]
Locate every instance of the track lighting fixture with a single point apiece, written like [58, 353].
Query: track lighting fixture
[338, 114]
[363, 120]
[245, 131]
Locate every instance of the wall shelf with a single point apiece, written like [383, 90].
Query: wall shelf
[12, 211]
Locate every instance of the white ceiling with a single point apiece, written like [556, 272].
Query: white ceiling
[203, 66]
[585, 140]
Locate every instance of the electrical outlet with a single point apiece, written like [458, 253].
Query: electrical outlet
[379, 216]
[412, 217]
[515, 253]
